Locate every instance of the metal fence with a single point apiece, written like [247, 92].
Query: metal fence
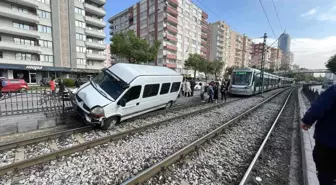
[35, 100]
[310, 93]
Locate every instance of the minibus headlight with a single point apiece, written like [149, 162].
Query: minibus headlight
[97, 112]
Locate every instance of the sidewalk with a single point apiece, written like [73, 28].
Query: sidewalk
[307, 146]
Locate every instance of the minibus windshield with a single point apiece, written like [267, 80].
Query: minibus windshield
[107, 85]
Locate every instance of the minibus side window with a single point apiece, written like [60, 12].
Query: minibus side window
[133, 93]
[175, 87]
[151, 90]
[165, 88]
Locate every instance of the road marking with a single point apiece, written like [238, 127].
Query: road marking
[79, 138]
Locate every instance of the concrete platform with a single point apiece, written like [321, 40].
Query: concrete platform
[307, 144]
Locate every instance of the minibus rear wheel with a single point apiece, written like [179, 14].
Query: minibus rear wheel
[110, 122]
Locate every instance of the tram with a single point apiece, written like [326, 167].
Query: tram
[248, 81]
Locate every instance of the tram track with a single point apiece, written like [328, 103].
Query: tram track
[100, 137]
[124, 142]
[174, 168]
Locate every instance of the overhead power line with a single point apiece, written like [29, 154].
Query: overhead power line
[262, 6]
[276, 11]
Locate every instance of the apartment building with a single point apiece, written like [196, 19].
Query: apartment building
[274, 57]
[180, 25]
[247, 51]
[43, 38]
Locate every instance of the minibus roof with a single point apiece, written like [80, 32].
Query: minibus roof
[128, 72]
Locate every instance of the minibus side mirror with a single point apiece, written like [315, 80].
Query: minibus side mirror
[122, 102]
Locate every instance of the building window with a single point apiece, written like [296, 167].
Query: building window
[44, 29]
[80, 37]
[80, 49]
[80, 24]
[81, 61]
[46, 58]
[43, 14]
[79, 11]
[24, 42]
[19, 9]
[23, 26]
[1, 54]
[82, 1]
[44, 1]
[45, 43]
[25, 56]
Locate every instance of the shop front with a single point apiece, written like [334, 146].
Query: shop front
[33, 74]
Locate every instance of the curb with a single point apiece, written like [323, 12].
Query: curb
[308, 165]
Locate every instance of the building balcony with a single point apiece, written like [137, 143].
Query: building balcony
[28, 3]
[204, 43]
[170, 47]
[204, 28]
[172, 10]
[204, 50]
[171, 38]
[9, 13]
[17, 31]
[95, 56]
[100, 2]
[95, 45]
[204, 15]
[171, 56]
[95, 33]
[96, 66]
[11, 46]
[172, 29]
[94, 10]
[170, 65]
[172, 19]
[175, 2]
[204, 21]
[25, 62]
[95, 22]
[204, 36]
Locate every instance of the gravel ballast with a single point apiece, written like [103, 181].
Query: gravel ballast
[225, 158]
[117, 161]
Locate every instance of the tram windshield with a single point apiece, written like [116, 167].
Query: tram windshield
[241, 78]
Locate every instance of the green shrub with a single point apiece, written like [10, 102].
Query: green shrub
[68, 82]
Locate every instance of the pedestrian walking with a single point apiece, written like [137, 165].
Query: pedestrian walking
[77, 84]
[322, 111]
[202, 91]
[223, 91]
[184, 87]
[52, 86]
[210, 93]
[216, 89]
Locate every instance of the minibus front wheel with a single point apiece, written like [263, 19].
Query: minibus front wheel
[169, 105]
[110, 122]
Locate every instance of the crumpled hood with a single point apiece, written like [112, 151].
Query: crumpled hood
[92, 97]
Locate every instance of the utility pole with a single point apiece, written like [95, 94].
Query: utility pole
[262, 64]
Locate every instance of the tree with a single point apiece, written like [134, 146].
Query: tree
[331, 64]
[194, 62]
[217, 67]
[134, 49]
[207, 68]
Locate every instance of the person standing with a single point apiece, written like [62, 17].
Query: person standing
[188, 88]
[52, 86]
[202, 91]
[210, 93]
[216, 89]
[322, 111]
[61, 87]
[184, 87]
[223, 91]
[193, 84]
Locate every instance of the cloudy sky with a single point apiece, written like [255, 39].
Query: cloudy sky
[310, 23]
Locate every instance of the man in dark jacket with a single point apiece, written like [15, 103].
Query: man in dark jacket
[192, 84]
[322, 111]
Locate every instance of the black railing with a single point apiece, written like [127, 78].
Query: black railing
[310, 93]
[34, 100]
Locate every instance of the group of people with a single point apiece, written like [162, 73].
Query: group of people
[213, 89]
[188, 87]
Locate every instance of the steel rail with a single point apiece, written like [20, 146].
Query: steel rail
[19, 143]
[249, 169]
[151, 171]
[89, 144]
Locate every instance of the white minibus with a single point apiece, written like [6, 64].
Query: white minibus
[124, 91]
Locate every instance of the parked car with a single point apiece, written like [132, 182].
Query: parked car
[45, 81]
[15, 85]
[124, 91]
